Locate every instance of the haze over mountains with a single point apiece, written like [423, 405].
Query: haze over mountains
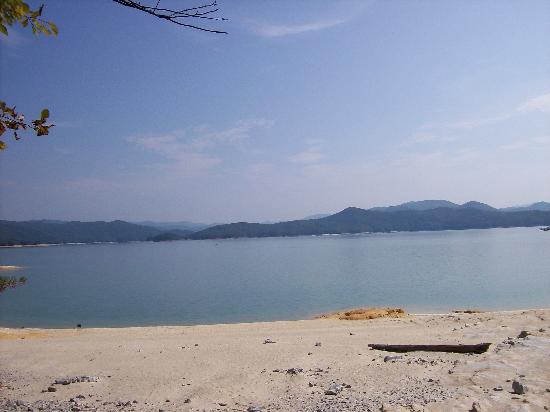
[413, 217]
[421, 215]
[434, 204]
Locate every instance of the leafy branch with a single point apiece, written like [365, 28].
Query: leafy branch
[11, 120]
[12, 12]
[7, 282]
[17, 11]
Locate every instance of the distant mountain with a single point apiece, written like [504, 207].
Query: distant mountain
[318, 216]
[410, 216]
[39, 232]
[477, 205]
[175, 234]
[182, 225]
[433, 204]
[542, 206]
[48, 221]
[417, 205]
[355, 220]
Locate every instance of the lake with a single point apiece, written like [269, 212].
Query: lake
[244, 280]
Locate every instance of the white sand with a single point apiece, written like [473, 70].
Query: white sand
[228, 367]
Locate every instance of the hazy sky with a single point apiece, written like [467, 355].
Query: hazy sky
[305, 107]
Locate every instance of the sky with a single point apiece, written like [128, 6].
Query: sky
[303, 108]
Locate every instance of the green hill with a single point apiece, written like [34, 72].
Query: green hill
[39, 232]
[355, 220]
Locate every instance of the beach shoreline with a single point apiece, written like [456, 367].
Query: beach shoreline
[319, 316]
[282, 365]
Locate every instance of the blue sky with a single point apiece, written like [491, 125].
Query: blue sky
[305, 107]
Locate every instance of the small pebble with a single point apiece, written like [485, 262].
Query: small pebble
[519, 388]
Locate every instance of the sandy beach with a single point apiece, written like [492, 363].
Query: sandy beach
[231, 367]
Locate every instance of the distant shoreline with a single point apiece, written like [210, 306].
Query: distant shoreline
[42, 245]
[10, 267]
[72, 244]
[323, 316]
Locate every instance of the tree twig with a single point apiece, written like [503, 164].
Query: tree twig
[203, 11]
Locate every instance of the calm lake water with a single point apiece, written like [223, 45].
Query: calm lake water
[195, 282]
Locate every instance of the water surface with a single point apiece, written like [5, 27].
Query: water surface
[242, 280]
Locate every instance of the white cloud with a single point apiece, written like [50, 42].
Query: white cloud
[63, 150]
[194, 154]
[308, 156]
[92, 185]
[259, 169]
[467, 124]
[311, 155]
[234, 135]
[421, 138]
[536, 104]
[538, 142]
[274, 30]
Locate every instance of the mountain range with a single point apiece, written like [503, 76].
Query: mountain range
[430, 215]
[355, 220]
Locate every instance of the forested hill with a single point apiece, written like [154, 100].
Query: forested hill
[411, 216]
[355, 220]
[41, 231]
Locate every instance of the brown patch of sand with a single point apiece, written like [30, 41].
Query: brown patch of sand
[10, 267]
[365, 314]
[9, 334]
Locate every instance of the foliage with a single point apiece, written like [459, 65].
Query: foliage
[17, 11]
[11, 120]
[12, 12]
[7, 282]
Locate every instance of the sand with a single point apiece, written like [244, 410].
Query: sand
[229, 367]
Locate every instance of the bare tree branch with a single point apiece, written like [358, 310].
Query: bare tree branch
[203, 11]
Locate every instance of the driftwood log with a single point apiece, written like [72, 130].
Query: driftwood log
[477, 348]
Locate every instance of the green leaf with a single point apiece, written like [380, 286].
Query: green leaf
[41, 131]
[44, 114]
[54, 28]
[3, 29]
[43, 29]
[2, 145]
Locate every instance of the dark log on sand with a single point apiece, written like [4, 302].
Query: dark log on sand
[477, 348]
